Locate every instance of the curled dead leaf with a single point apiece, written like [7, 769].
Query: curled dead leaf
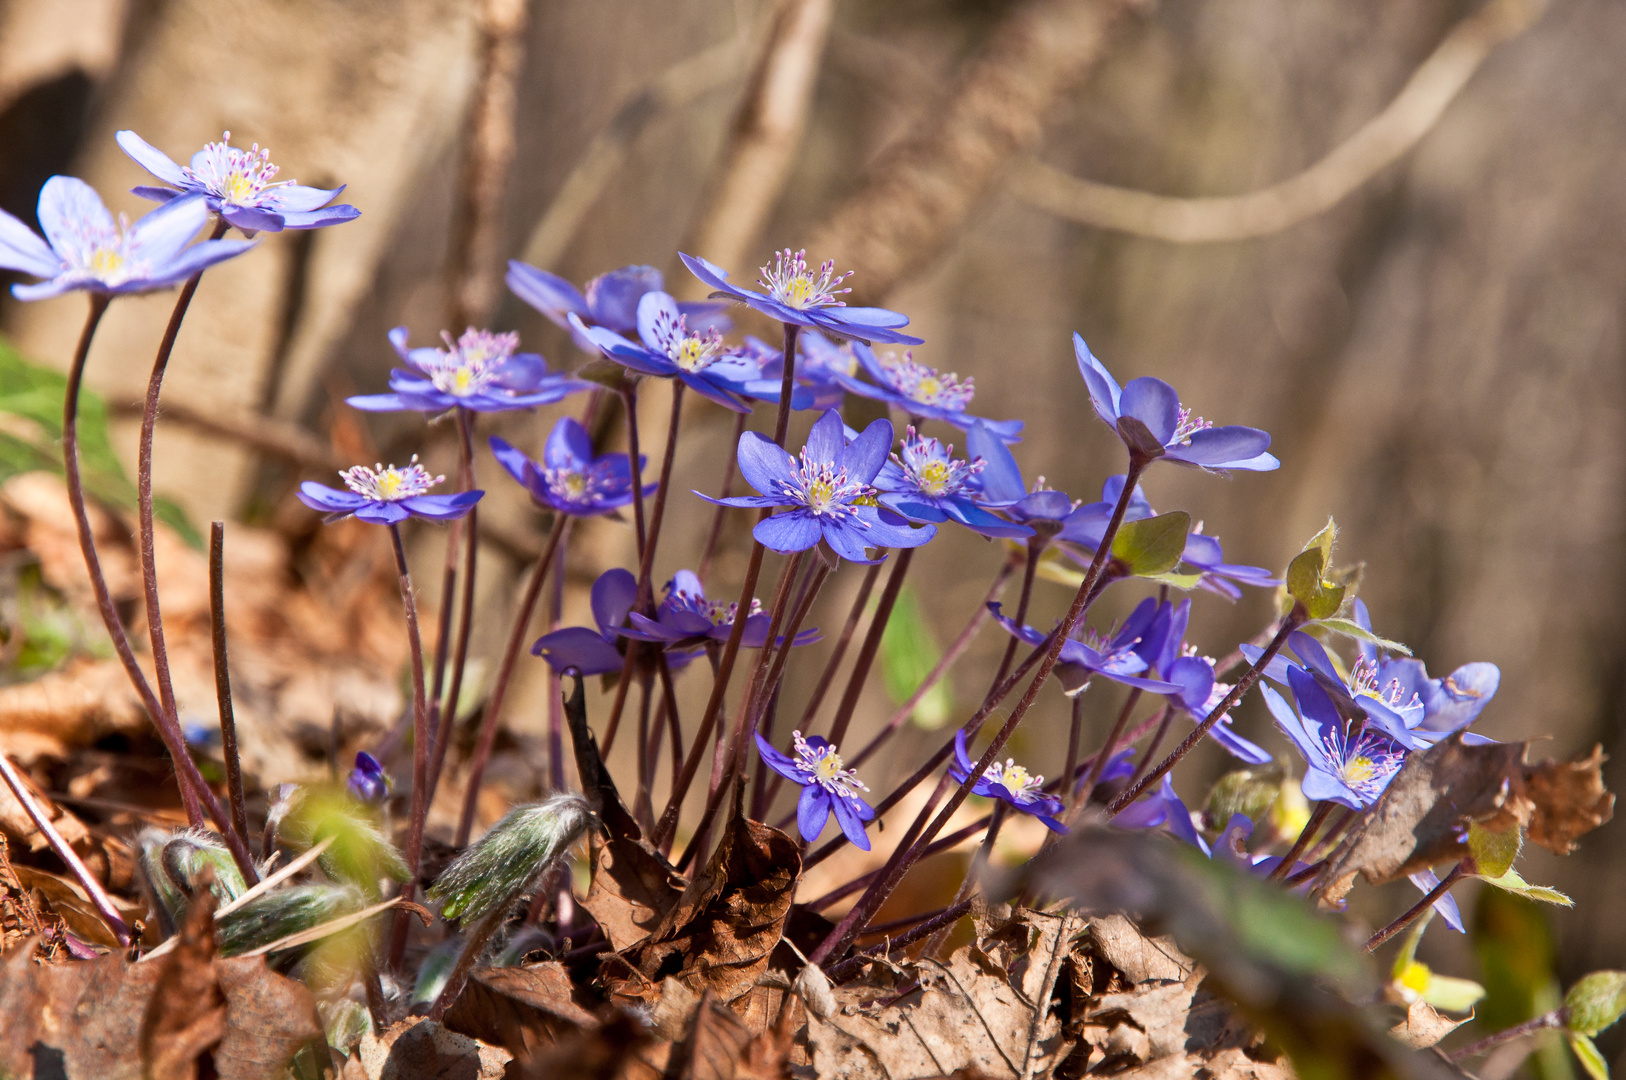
[1569, 799]
[521, 1009]
[1423, 1027]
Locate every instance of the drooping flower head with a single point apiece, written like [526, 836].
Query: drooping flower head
[1345, 761]
[802, 296]
[827, 490]
[88, 249]
[924, 482]
[570, 478]
[480, 371]
[899, 380]
[387, 494]
[827, 787]
[1010, 783]
[668, 349]
[614, 594]
[239, 185]
[686, 618]
[1163, 807]
[1147, 415]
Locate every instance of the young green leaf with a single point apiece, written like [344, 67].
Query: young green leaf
[909, 651]
[1152, 545]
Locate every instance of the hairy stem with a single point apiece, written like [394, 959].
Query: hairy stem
[1556, 1018]
[228, 718]
[1318, 817]
[505, 674]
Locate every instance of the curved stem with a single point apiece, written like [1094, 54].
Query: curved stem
[1036, 545]
[787, 385]
[1553, 1019]
[447, 707]
[420, 751]
[1416, 910]
[505, 673]
[228, 718]
[872, 644]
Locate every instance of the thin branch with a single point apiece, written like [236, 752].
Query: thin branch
[228, 718]
[1379, 143]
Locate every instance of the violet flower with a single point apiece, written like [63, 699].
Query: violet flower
[387, 495]
[1348, 763]
[480, 371]
[1003, 486]
[685, 618]
[1010, 783]
[823, 368]
[1122, 658]
[570, 478]
[1163, 807]
[1361, 699]
[368, 781]
[1449, 704]
[669, 349]
[609, 300]
[1147, 415]
[921, 391]
[827, 787]
[1200, 691]
[827, 489]
[89, 250]
[238, 185]
[922, 481]
[801, 296]
[614, 594]
[756, 370]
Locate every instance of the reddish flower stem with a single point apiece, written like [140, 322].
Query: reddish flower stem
[228, 718]
[420, 753]
[726, 489]
[1317, 818]
[1556, 1018]
[1414, 912]
[871, 645]
[445, 713]
[827, 678]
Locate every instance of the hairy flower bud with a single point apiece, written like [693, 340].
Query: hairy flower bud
[1595, 1002]
[506, 861]
[174, 865]
[277, 915]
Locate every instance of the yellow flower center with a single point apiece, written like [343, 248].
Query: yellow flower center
[693, 354]
[1358, 769]
[1016, 778]
[105, 262]
[934, 477]
[827, 768]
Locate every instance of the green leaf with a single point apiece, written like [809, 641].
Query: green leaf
[1596, 1001]
[1513, 883]
[1176, 580]
[909, 652]
[1452, 994]
[1349, 628]
[1590, 1059]
[1152, 545]
[1494, 852]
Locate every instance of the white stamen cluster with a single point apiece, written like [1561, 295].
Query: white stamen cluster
[1363, 681]
[824, 489]
[928, 386]
[931, 467]
[824, 767]
[1186, 425]
[390, 483]
[791, 282]
[717, 612]
[1365, 762]
[1024, 787]
[690, 351]
[470, 364]
[238, 177]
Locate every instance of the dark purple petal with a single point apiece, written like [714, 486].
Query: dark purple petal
[578, 647]
[778, 762]
[850, 816]
[612, 298]
[865, 455]
[712, 389]
[982, 522]
[252, 219]
[513, 461]
[847, 542]
[442, 507]
[1196, 681]
[1001, 478]
[568, 446]
[614, 594]
[827, 439]
[382, 513]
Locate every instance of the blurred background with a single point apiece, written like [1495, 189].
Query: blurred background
[1393, 234]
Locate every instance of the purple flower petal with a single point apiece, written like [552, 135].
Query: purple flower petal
[656, 310]
[778, 762]
[865, 455]
[21, 249]
[795, 530]
[851, 819]
[612, 298]
[614, 594]
[578, 647]
[159, 235]
[812, 811]
[765, 465]
[151, 158]
[68, 209]
[329, 500]
[1154, 403]
[442, 507]
[1219, 446]
[548, 293]
[1103, 388]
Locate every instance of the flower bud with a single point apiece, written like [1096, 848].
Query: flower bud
[506, 861]
[368, 781]
[1249, 792]
[359, 854]
[279, 914]
[1595, 1002]
[173, 867]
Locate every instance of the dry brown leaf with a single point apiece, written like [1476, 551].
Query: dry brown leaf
[721, 1046]
[1229, 1064]
[632, 885]
[1423, 1027]
[1569, 800]
[619, 1049]
[719, 935]
[18, 826]
[423, 1050]
[1418, 821]
[67, 899]
[186, 1015]
[1139, 958]
[521, 1009]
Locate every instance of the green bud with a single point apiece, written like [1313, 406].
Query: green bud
[360, 853]
[174, 864]
[1595, 1002]
[435, 970]
[345, 1021]
[1494, 852]
[279, 914]
[1249, 792]
[506, 862]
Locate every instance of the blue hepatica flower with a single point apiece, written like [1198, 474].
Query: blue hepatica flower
[1361, 698]
[91, 251]
[1087, 524]
[801, 296]
[1345, 761]
[827, 489]
[239, 185]
[1003, 487]
[387, 495]
[924, 482]
[1449, 704]
[756, 370]
[1163, 807]
[1009, 783]
[823, 368]
[609, 300]
[368, 782]
[1123, 657]
[570, 478]
[1147, 415]
[920, 391]
[1200, 691]
[827, 787]
[594, 652]
[669, 349]
[480, 371]
[686, 618]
